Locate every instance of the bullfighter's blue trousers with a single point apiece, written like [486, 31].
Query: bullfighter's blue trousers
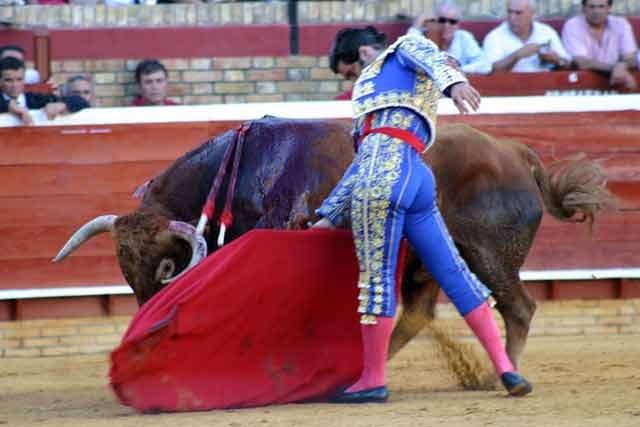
[389, 191]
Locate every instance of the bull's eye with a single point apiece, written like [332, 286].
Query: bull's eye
[166, 269]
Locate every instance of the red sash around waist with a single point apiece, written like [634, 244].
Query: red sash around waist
[408, 137]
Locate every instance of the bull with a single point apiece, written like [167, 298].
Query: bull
[492, 194]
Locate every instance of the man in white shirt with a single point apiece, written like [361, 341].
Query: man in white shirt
[523, 45]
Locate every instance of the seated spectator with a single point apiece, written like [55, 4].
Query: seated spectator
[81, 86]
[31, 76]
[422, 25]
[152, 79]
[601, 42]
[14, 100]
[443, 28]
[523, 45]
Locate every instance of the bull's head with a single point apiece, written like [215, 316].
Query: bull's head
[152, 250]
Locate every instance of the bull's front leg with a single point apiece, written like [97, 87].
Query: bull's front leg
[517, 309]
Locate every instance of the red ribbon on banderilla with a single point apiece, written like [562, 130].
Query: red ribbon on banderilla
[226, 217]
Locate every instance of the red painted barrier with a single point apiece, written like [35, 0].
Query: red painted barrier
[54, 181]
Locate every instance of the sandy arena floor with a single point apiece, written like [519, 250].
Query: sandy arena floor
[579, 381]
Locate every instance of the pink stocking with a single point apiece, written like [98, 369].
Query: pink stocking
[375, 343]
[483, 324]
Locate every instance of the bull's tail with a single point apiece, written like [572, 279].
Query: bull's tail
[572, 189]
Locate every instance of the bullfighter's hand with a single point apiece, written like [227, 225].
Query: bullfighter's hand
[462, 93]
[322, 223]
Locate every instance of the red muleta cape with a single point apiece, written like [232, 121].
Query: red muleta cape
[269, 318]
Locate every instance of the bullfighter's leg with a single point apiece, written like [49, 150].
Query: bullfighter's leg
[377, 221]
[427, 232]
[418, 305]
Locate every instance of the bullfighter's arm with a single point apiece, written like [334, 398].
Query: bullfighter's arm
[337, 207]
[421, 53]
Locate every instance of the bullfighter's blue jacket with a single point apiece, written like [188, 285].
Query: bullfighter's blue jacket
[411, 73]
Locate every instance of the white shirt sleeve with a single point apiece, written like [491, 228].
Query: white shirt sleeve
[493, 47]
[557, 46]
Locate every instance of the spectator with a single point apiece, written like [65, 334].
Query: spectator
[14, 100]
[523, 45]
[152, 80]
[81, 86]
[31, 76]
[423, 25]
[601, 42]
[443, 28]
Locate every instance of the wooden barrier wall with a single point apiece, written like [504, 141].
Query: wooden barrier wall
[54, 179]
[565, 83]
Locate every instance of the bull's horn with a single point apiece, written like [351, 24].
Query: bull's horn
[198, 244]
[97, 225]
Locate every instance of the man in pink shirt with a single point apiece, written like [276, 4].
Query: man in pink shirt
[601, 42]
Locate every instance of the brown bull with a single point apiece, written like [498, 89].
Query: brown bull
[491, 194]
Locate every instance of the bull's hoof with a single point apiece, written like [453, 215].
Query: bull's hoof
[370, 395]
[515, 384]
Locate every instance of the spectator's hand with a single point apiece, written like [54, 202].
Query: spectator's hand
[53, 109]
[21, 112]
[620, 76]
[55, 86]
[552, 58]
[464, 92]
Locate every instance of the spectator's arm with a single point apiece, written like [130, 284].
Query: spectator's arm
[21, 112]
[585, 63]
[628, 45]
[500, 60]
[507, 63]
[54, 109]
[475, 59]
[74, 103]
[633, 60]
[558, 55]
[620, 76]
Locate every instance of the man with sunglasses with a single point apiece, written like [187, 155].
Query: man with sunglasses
[388, 192]
[523, 45]
[458, 43]
[604, 43]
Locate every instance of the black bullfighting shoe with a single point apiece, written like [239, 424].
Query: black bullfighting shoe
[369, 395]
[515, 384]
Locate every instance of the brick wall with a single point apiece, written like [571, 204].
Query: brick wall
[214, 80]
[273, 12]
[33, 338]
